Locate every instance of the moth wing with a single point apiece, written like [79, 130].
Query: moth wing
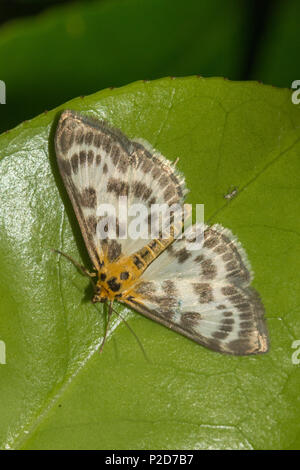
[99, 164]
[205, 294]
[153, 180]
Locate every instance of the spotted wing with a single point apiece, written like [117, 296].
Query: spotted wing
[99, 164]
[205, 294]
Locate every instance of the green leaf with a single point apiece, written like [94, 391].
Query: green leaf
[56, 390]
[80, 48]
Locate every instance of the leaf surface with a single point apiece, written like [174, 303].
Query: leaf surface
[56, 390]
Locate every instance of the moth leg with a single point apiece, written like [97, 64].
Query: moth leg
[81, 268]
[110, 310]
[134, 334]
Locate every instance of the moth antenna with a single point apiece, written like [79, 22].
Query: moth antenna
[134, 334]
[81, 268]
[176, 161]
[110, 310]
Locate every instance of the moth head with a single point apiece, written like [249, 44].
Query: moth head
[100, 294]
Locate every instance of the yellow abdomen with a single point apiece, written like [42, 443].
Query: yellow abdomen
[119, 276]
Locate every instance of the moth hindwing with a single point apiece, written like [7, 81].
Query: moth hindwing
[204, 294]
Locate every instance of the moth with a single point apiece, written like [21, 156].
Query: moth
[203, 294]
[231, 194]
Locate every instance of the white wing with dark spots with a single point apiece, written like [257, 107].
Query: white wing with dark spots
[205, 294]
[98, 165]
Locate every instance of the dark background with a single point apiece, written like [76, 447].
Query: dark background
[54, 50]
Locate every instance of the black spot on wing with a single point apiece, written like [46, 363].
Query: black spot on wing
[118, 187]
[92, 224]
[79, 138]
[209, 270]
[97, 139]
[89, 138]
[182, 255]
[74, 163]
[115, 154]
[90, 158]
[190, 320]
[204, 290]
[88, 197]
[65, 166]
[82, 157]
[66, 140]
